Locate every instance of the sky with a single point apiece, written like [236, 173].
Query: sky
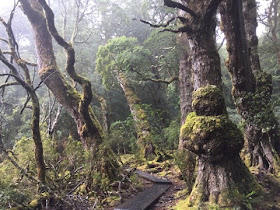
[6, 5]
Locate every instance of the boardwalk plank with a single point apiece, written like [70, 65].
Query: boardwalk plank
[145, 199]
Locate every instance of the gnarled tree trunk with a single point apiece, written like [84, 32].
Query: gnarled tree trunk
[77, 104]
[208, 132]
[252, 88]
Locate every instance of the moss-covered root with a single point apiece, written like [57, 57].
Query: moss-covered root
[227, 183]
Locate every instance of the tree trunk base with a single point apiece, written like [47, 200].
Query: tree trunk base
[261, 151]
[225, 183]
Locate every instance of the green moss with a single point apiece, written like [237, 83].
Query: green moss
[186, 162]
[182, 193]
[73, 92]
[211, 136]
[111, 200]
[208, 101]
[217, 141]
[34, 203]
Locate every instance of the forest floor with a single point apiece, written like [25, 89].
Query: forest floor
[166, 170]
[177, 191]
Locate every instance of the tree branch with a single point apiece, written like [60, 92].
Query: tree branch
[157, 25]
[185, 28]
[25, 104]
[85, 83]
[14, 74]
[4, 40]
[85, 40]
[8, 84]
[162, 80]
[221, 44]
[174, 4]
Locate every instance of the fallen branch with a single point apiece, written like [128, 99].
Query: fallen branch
[124, 178]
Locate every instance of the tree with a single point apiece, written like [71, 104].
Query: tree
[77, 103]
[118, 58]
[26, 83]
[252, 88]
[204, 131]
[272, 23]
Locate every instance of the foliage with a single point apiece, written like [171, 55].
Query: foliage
[122, 137]
[64, 161]
[171, 135]
[120, 54]
[9, 194]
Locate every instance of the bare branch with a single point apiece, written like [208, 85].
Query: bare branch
[25, 104]
[157, 25]
[144, 78]
[174, 4]
[185, 28]
[15, 73]
[221, 44]
[4, 40]
[42, 81]
[84, 41]
[8, 84]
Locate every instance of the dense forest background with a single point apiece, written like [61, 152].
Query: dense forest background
[129, 53]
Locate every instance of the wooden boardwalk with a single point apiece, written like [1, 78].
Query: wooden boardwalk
[145, 199]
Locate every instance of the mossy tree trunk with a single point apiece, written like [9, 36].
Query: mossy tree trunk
[252, 88]
[208, 132]
[104, 111]
[222, 178]
[140, 117]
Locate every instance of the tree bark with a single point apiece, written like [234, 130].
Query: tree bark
[35, 127]
[186, 88]
[104, 111]
[205, 59]
[185, 80]
[250, 23]
[217, 141]
[251, 92]
[186, 160]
